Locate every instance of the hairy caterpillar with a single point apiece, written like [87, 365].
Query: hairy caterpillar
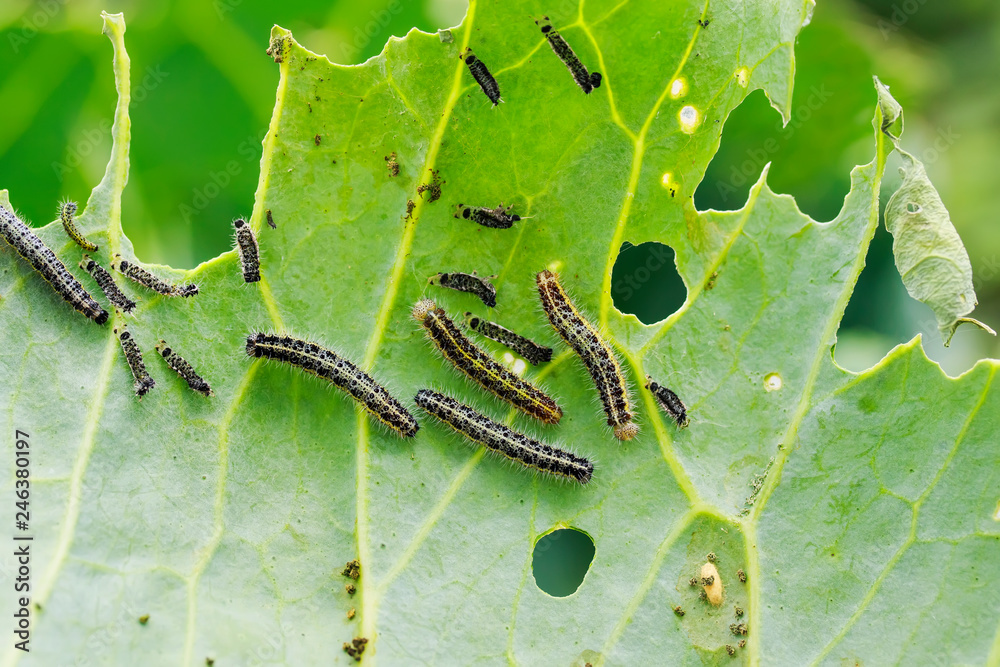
[246, 244]
[480, 366]
[338, 371]
[504, 441]
[596, 354]
[133, 355]
[481, 73]
[468, 282]
[669, 401]
[48, 266]
[586, 80]
[107, 284]
[140, 275]
[527, 348]
[67, 210]
[183, 368]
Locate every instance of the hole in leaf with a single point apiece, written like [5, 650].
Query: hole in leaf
[828, 133]
[645, 282]
[913, 207]
[560, 561]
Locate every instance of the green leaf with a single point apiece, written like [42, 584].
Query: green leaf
[862, 508]
[929, 254]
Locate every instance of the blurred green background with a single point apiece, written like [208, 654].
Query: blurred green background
[203, 90]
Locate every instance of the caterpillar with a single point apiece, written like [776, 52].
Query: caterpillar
[480, 367]
[48, 266]
[246, 244]
[338, 371]
[586, 80]
[133, 355]
[596, 354]
[67, 210]
[495, 218]
[500, 439]
[481, 73]
[107, 284]
[669, 401]
[468, 282]
[140, 275]
[527, 348]
[183, 368]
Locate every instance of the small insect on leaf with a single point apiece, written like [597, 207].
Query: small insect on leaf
[586, 80]
[67, 211]
[494, 218]
[481, 73]
[470, 283]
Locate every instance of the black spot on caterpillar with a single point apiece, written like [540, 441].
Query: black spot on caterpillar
[669, 401]
[527, 348]
[596, 354]
[270, 220]
[583, 78]
[480, 366]
[468, 282]
[501, 440]
[481, 73]
[140, 275]
[67, 210]
[107, 284]
[133, 355]
[338, 371]
[495, 218]
[246, 245]
[183, 368]
[48, 266]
